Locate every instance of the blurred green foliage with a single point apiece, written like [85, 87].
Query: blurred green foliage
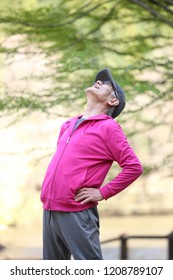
[78, 38]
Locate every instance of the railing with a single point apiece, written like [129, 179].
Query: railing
[124, 240]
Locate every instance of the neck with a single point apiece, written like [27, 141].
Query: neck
[93, 109]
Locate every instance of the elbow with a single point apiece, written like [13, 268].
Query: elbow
[139, 170]
[136, 170]
[133, 170]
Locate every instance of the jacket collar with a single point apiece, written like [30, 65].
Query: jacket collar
[71, 122]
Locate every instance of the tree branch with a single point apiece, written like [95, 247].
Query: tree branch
[169, 2]
[154, 100]
[52, 25]
[158, 3]
[153, 12]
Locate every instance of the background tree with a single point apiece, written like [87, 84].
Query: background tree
[134, 38]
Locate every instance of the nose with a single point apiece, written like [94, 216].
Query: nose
[99, 82]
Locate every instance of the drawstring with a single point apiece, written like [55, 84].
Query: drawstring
[86, 127]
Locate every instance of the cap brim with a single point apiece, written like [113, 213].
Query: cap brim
[105, 75]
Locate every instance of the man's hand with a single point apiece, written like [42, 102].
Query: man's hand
[86, 195]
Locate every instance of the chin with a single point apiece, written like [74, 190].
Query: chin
[90, 89]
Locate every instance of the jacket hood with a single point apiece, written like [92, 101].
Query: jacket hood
[71, 122]
[97, 118]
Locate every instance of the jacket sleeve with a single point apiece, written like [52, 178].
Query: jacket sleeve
[120, 151]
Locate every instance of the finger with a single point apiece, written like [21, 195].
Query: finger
[81, 197]
[86, 200]
[83, 190]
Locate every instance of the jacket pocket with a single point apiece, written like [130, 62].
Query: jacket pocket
[78, 182]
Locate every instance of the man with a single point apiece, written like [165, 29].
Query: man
[86, 148]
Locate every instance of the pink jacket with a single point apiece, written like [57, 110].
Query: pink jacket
[83, 159]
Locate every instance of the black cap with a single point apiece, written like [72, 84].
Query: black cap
[105, 75]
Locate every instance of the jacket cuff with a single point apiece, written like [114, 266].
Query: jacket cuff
[106, 192]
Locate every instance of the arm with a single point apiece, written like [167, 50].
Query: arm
[121, 152]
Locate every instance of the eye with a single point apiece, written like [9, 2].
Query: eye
[107, 83]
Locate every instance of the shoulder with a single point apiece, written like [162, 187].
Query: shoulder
[111, 126]
[113, 132]
[67, 122]
[65, 125]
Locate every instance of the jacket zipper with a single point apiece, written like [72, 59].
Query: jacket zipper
[67, 141]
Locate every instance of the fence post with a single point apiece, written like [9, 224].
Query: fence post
[170, 246]
[123, 239]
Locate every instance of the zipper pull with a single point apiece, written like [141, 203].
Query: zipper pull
[68, 140]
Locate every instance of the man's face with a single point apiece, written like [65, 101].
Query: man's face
[101, 90]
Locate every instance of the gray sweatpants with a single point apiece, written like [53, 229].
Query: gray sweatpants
[71, 233]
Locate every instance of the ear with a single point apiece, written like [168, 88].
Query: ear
[113, 101]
